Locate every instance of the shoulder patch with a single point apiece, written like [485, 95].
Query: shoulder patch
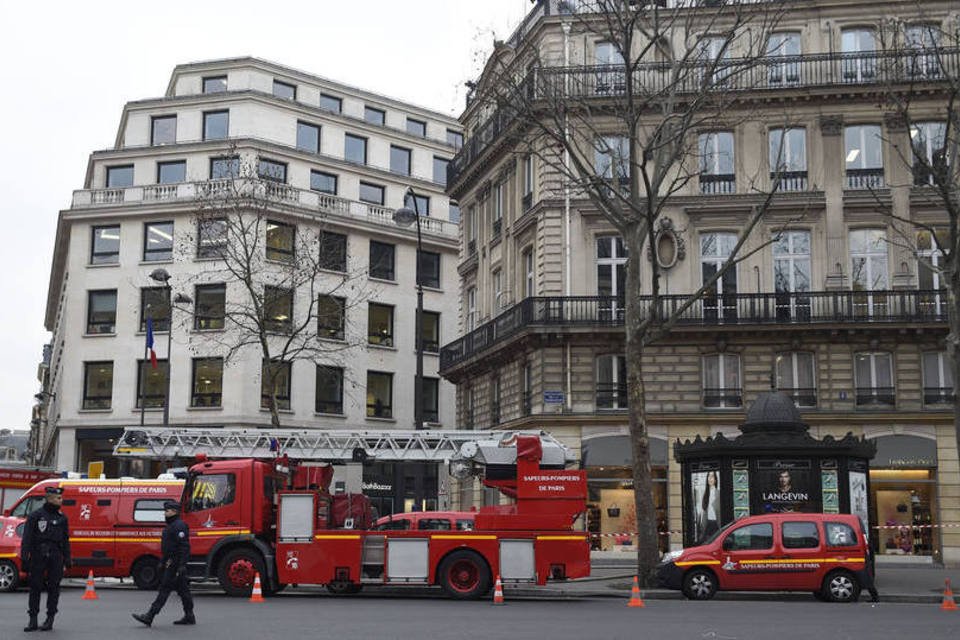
[182, 534]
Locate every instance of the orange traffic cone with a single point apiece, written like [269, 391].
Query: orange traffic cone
[635, 600]
[257, 595]
[948, 603]
[90, 593]
[498, 592]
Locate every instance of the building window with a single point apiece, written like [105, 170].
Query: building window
[272, 170]
[281, 241]
[224, 168]
[717, 168]
[612, 159]
[308, 137]
[211, 237]
[275, 383]
[330, 103]
[216, 125]
[611, 268]
[454, 138]
[152, 384]
[323, 182]
[796, 377]
[277, 309]
[721, 381]
[284, 90]
[874, 379]
[215, 84]
[331, 317]
[471, 308]
[788, 158]
[430, 332]
[399, 160]
[97, 385]
[609, 71]
[333, 251]
[421, 204]
[119, 177]
[210, 310]
[856, 69]
[371, 193]
[791, 275]
[471, 225]
[497, 290]
[155, 305]
[612, 382]
[527, 181]
[158, 241]
[430, 399]
[495, 400]
[864, 157]
[171, 172]
[440, 170]
[526, 398]
[163, 129]
[720, 302]
[207, 382]
[454, 213]
[105, 245]
[498, 194]
[923, 50]
[712, 50]
[417, 127]
[355, 149]
[374, 115]
[379, 394]
[868, 271]
[937, 378]
[102, 311]
[380, 324]
[329, 397]
[528, 273]
[929, 144]
[381, 260]
[930, 280]
[784, 45]
[430, 269]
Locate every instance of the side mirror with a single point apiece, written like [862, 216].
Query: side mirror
[728, 543]
[7, 512]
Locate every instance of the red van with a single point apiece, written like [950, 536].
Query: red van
[115, 528]
[826, 554]
[427, 521]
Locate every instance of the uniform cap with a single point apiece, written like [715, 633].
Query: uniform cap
[54, 491]
[170, 504]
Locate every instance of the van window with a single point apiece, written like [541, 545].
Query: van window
[148, 511]
[210, 492]
[800, 535]
[750, 537]
[28, 506]
[840, 534]
[464, 525]
[434, 524]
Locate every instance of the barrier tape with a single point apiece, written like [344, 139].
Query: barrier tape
[946, 525]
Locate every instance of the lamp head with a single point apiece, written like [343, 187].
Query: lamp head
[160, 275]
[404, 216]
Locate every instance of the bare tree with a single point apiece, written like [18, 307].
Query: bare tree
[625, 134]
[287, 280]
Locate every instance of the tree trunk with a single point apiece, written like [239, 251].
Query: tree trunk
[953, 341]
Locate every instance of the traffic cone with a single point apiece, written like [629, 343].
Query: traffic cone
[498, 592]
[948, 603]
[635, 600]
[257, 595]
[90, 593]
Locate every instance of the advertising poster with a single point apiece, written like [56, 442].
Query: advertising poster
[786, 486]
[705, 504]
[858, 496]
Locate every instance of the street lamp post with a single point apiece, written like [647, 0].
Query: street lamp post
[161, 275]
[405, 216]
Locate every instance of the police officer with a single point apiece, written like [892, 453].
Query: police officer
[45, 553]
[175, 548]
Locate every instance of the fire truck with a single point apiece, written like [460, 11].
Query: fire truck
[258, 501]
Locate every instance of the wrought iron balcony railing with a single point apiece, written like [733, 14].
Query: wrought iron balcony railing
[876, 396]
[723, 398]
[805, 308]
[713, 184]
[938, 395]
[612, 395]
[802, 396]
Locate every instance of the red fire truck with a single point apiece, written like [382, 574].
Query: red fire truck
[14, 480]
[263, 506]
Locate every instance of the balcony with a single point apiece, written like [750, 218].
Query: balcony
[211, 191]
[714, 184]
[876, 396]
[730, 310]
[847, 71]
[802, 396]
[612, 395]
[789, 180]
[722, 398]
[865, 178]
[938, 395]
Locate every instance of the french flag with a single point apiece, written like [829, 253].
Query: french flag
[153, 354]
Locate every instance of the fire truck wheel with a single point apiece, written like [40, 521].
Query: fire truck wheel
[841, 586]
[9, 576]
[146, 574]
[237, 570]
[341, 588]
[699, 584]
[464, 575]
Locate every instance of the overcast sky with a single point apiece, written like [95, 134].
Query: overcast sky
[69, 67]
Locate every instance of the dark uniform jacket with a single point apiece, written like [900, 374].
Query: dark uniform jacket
[175, 544]
[45, 536]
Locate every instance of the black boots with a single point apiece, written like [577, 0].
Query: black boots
[145, 618]
[186, 619]
[32, 625]
[47, 624]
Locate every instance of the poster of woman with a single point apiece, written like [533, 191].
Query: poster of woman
[706, 504]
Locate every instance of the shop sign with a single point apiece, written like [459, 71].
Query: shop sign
[904, 452]
[376, 486]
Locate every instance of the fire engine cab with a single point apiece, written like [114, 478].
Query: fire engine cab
[258, 501]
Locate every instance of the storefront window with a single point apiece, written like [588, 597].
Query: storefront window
[611, 511]
[905, 504]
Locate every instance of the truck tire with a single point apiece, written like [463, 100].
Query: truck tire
[237, 569]
[9, 576]
[841, 586]
[699, 584]
[464, 575]
[146, 573]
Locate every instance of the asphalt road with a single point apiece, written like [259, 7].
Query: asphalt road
[311, 616]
